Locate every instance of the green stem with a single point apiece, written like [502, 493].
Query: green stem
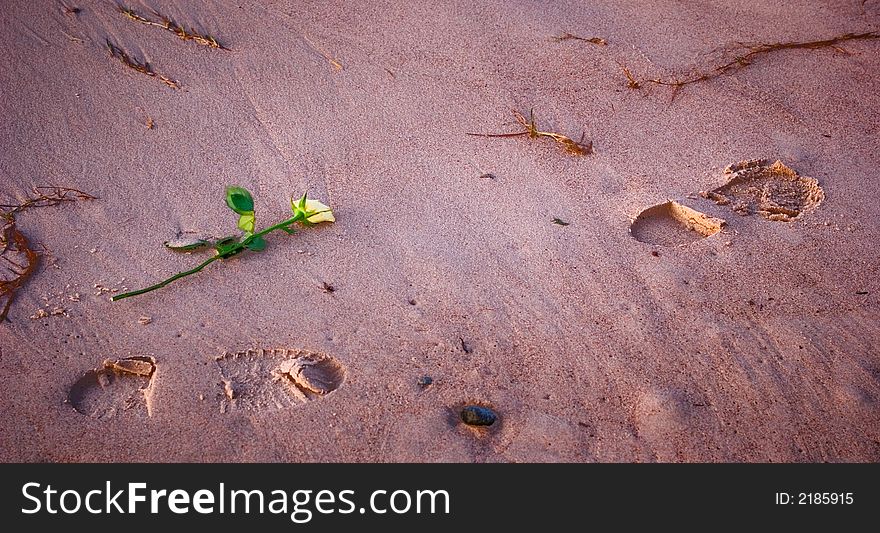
[228, 253]
[166, 282]
[282, 224]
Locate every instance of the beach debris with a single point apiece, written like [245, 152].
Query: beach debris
[328, 288]
[564, 36]
[335, 63]
[477, 415]
[774, 191]
[144, 320]
[742, 55]
[560, 222]
[425, 382]
[530, 128]
[46, 196]
[166, 23]
[185, 243]
[465, 347]
[306, 212]
[143, 68]
[631, 80]
[487, 176]
[18, 261]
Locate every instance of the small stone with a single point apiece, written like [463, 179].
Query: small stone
[425, 381]
[144, 320]
[475, 415]
[41, 313]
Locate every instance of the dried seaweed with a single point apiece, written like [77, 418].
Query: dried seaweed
[18, 261]
[335, 63]
[631, 80]
[46, 197]
[742, 56]
[143, 68]
[168, 24]
[571, 146]
[564, 36]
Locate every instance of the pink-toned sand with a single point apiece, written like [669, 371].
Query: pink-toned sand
[759, 343]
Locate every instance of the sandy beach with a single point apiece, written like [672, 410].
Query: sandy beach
[739, 322]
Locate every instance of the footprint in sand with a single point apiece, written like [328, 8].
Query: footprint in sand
[672, 223]
[774, 191]
[120, 387]
[276, 379]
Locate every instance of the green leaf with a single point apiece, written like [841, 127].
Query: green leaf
[239, 200]
[226, 245]
[183, 243]
[257, 245]
[246, 222]
[225, 240]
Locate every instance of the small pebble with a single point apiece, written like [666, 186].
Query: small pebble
[425, 381]
[144, 320]
[475, 415]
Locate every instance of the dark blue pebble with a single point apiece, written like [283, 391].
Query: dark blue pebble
[474, 415]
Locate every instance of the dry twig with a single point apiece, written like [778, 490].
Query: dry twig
[143, 68]
[593, 40]
[744, 55]
[166, 23]
[571, 147]
[45, 197]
